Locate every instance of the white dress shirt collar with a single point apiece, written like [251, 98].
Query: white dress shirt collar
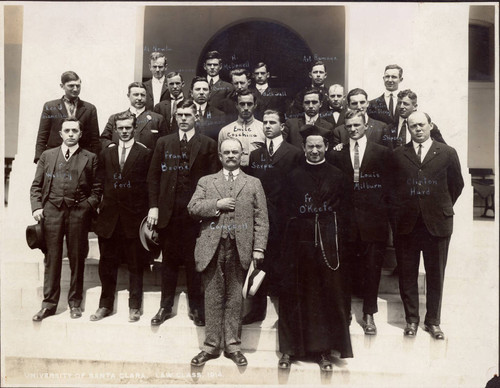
[262, 88]
[189, 134]
[215, 79]
[71, 149]
[136, 111]
[248, 122]
[426, 145]
[309, 119]
[226, 173]
[203, 107]
[127, 144]
[276, 143]
[159, 81]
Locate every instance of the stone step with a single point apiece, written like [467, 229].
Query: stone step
[78, 361]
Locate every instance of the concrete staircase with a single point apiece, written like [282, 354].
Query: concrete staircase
[66, 352]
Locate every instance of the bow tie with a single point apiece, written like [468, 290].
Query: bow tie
[335, 109]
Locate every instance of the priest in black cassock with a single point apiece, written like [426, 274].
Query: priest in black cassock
[312, 317]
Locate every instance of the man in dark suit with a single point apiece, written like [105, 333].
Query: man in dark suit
[367, 166]
[318, 75]
[64, 193]
[219, 89]
[210, 119]
[336, 109]
[398, 134]
[383, 108]
[240, 78]
[56, 111]
[271, 164]
[357, 100]
[234, 229]
[156, 87]
[268, 98]
[150, 126]
[167, 107]
[179, 161]
[311, 104]
[428, 181]
[122, 170]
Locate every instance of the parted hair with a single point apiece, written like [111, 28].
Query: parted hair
[397, 67]
[355, 92]
[127, 115]
[313, 91]
[69, 76]
[136, 85]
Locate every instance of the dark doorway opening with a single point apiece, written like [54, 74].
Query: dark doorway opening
[246, 43]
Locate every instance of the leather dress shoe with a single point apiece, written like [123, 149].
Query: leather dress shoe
[202, 357]
[101, 313]
[411, 329]
[325, 364]
[75, 312]
[43, 313]
[237, 357]
[252, 317]
[134, 315]
[197, 319]
[369, 324]
[161, 316]
[284, 362]
[435, 331]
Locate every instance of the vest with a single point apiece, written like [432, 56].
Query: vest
[65, 181]
[228, 224]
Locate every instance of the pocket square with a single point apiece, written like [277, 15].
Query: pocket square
[154, 131]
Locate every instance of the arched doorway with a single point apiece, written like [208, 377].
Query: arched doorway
[246, 43]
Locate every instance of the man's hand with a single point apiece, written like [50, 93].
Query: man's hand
[258, 258]
[338, 147]
[226, 204]
[38, 215]
[152, 217]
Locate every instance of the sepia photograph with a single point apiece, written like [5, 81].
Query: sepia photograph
[248, 193]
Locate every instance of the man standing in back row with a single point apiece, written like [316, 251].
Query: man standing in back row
[69, 106]
[384, 108]
[428, 181]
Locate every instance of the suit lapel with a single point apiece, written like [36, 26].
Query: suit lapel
[346, 159]
[280, 152]
[195, 148]
[240, 181]
[367, 156]
[142, 121]
[80, 109]
[409, 152]
[114, 157]
[434, 150]
[62, 108]
[219, 183]
[81, 161]
[164, 88]
[132, 156]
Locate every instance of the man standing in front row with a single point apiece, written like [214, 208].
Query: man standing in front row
[179, 161]
[428, 183]
[271, 164]
[234, 230]
[122, 170]
[367, 166]
[64, 193]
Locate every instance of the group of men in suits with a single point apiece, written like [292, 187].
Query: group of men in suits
[161, 159]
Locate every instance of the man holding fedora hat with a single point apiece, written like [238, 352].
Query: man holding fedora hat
[63, 194]
[179, 160]
[122, 170]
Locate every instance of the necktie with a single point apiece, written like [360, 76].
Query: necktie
[122, 158]
[230, 176]
[419, 153]
[66, 156]
[402, 133]
[184, 138]
[200, 113]
[211, 83]
[391, 105]
[71, 105]
[271, 148]
[356, 162]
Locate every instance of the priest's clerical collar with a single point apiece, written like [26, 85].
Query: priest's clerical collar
[315, 163]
